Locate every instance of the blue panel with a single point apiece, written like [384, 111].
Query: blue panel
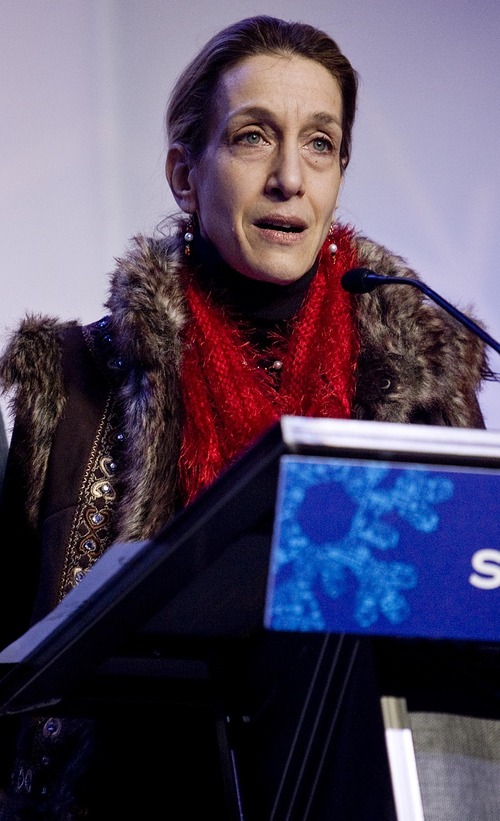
[385, 548]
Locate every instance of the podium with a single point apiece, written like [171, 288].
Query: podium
[276, 603]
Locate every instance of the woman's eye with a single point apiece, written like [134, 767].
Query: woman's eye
[251, 138]
[322, 145]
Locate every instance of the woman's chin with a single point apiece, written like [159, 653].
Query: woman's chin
[278, 268]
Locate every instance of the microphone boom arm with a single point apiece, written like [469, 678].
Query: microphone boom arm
[371, 280]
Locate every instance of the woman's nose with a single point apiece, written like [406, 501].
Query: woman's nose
[286, 173]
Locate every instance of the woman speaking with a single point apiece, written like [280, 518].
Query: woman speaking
[232, 315]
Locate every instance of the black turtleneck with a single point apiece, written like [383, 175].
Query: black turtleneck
[265, 309]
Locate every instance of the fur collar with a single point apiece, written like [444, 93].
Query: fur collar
[431, 361]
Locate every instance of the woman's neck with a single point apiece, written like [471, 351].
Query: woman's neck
[262, 305]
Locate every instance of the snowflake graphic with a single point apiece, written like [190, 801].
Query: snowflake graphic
[308, 569]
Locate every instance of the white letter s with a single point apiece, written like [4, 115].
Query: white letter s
[487, 563]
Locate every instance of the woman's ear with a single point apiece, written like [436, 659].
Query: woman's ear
[177, 169]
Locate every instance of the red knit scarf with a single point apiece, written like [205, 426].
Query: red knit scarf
[229, 400]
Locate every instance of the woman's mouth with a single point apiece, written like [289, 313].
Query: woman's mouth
[281, 230]
[278, 223]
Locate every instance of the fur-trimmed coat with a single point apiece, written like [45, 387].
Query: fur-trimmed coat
[98, 409]
[94, 450]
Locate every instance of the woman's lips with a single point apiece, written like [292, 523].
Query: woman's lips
[281, 222]
[281, 230]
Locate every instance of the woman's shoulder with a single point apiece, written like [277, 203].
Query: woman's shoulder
[382, 260]
[33, 349]
[435, 358]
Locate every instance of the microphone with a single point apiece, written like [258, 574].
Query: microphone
[363, 280]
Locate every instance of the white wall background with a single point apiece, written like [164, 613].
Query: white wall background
[83, 90]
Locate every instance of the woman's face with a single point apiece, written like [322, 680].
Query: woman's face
[266, 186]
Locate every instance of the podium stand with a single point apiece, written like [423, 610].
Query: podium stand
[199, 616]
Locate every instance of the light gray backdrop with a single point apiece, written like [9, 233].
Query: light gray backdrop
[83, 90]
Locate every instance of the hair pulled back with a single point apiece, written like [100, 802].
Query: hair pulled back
[189, 109]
